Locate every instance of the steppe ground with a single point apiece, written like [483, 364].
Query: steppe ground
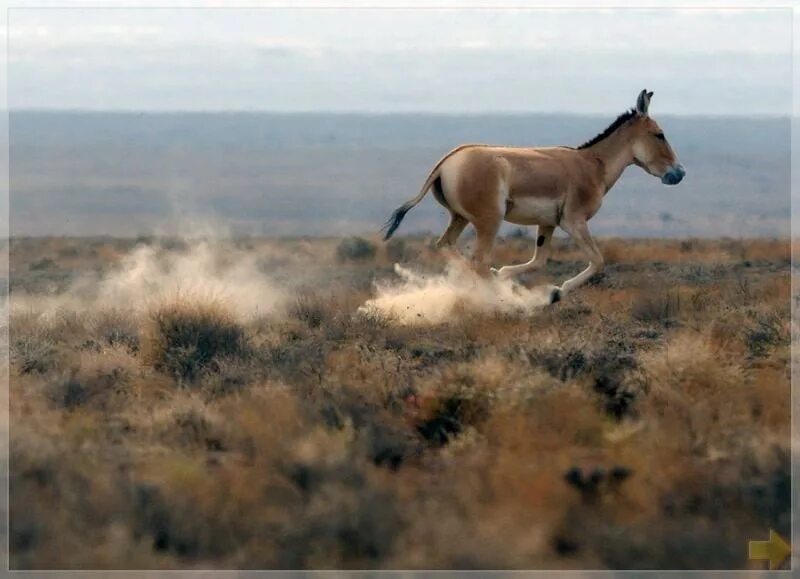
[225, 404]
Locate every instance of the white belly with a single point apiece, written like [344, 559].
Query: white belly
[532, 211]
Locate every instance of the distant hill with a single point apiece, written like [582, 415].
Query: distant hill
[319, 174]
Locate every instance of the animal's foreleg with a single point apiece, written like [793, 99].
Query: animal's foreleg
[583, 239]
[540, 255]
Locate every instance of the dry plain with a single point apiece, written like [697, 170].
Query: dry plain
[191, 403]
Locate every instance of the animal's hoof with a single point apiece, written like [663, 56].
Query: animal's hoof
[555, 295]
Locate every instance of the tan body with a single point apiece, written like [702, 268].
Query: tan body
[545, 186]
[526, 186]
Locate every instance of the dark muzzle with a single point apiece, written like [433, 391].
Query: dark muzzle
[674, 175]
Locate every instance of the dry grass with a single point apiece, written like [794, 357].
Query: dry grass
[641, 423]
[189, 336]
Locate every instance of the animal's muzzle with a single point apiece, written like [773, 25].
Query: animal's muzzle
[674, 175]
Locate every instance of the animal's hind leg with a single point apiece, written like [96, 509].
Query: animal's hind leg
[450, 235]
[486, 231]
[540, 255]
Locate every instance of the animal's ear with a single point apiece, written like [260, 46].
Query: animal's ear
[643, 102]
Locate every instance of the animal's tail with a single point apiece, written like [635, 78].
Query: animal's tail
[397, 216]
[394, 221]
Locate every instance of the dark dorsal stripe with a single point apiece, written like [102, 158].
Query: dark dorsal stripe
[624, 117]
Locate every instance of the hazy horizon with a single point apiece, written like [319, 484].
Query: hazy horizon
[129, 174]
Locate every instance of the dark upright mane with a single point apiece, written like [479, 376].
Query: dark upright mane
[626, 116]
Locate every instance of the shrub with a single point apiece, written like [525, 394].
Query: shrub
[231, 374]
[42, 264]
[185, 338]
[398, 250]
[296, 360]
[607, 363]
[116, 327]
[661, 306]
[69, 393]
[453, 407]
[189, 422]
[97, 379]
[767, 333]
[355, 249]
[349, 519]
[29, 355]
[311, 309]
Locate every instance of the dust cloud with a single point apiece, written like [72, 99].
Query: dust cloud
[203, 271]
[150, 274]
[420, 299]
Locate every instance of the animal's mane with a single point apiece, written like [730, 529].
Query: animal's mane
[624, 117]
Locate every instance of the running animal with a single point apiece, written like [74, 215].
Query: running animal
[545, 186]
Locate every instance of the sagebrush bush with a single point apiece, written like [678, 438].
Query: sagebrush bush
[33, 354]
[398, 250]
[190, 422]
[96, 379]
[116, 327]
[657, 306]
[312, 309]
[187, 336]
[768, 331]
[355, 249]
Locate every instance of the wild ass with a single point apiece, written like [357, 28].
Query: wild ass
[544, 186]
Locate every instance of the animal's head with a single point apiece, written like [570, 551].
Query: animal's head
[651, 150]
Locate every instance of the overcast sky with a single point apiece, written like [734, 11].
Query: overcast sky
[696, 61]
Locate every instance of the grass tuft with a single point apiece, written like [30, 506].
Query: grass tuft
[355, 249]
[188, 336]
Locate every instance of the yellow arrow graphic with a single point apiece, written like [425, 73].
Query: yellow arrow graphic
[776, 550]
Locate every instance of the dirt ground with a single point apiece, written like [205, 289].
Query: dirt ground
[187, 403]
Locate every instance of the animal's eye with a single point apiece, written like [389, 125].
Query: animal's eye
[661, 137]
